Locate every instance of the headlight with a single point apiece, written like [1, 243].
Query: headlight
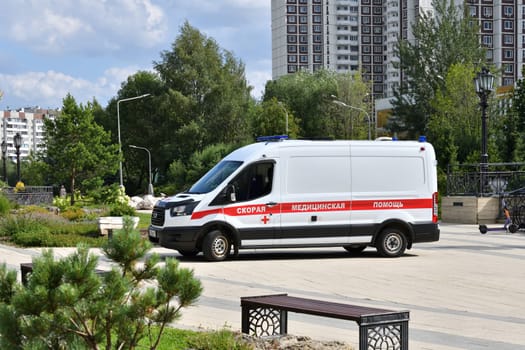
[183, 209]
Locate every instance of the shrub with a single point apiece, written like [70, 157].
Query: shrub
[122, 209]
[74, 214]
[5, 205]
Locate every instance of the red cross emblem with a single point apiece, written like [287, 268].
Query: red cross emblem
[265, 219]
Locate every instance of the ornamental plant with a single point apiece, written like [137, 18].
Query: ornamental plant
[69, 304]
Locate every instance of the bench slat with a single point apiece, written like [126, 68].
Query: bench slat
[318, 307]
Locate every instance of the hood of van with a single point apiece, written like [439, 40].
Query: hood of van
[178, 199]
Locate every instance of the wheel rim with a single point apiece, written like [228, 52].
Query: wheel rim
[393, 243]
[219, 246]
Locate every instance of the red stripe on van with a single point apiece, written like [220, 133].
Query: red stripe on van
[386, 204]
[313, 207]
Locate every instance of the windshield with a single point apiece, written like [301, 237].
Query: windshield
[215, 176]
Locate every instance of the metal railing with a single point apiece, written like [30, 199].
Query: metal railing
[492, 179]
[30, 195]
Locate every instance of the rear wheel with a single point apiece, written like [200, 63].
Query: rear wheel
[216, 246]
[391, 243]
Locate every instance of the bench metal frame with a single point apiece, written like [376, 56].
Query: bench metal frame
[267, 315]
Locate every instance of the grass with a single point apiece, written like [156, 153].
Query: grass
[179, 339]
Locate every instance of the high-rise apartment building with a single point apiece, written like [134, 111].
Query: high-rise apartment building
[29, 122]
[347, 35]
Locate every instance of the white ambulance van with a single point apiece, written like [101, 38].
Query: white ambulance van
[281, 193]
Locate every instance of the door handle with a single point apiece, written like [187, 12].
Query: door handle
[271, 204]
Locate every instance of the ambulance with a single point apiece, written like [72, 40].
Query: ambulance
[281, 193]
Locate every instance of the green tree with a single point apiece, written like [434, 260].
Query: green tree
[441, 38]
[142, 123]
[208, 97]
[272, 118]
[455, 125]
[77, 148]
[512, 126]
[67, 304]
[306, 96]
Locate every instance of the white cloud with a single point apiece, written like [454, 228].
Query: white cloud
[57, 26]
[47, 89]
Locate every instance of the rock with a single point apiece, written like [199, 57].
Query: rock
[291, 342]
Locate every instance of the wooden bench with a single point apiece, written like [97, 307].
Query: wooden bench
[267, 315]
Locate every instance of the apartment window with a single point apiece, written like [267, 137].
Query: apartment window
[473, 11]
[292, 58]
[317, 29]
[303, 49]
[316, 18]
[365, 10]
[487, 40]
[291, 1]
[487, 25]
[508, 81]
[303, 39]
[366, 49]
[366, 59]
[303, 29]
[508, 53]
[318, 38]
[378, 30]
[303, 59]
[318, 58]
[377, 10]
[303, 9]
[318, 48]
[365, 20]
[303, 1]
[291, 29]
[303, 19]
[291, 19]
[508, 11]
[365, 30]
[291, 9]
[291, 39]
[365, 39]
[487, 11]
[317, 9]
[509, 68]
[378, 39]
[292, 49]
[378, 59]
[508, 39]
[507, 25]
[292, 69]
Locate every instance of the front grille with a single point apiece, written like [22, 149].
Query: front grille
[157, 216]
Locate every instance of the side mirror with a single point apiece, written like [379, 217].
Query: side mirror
[230, 192]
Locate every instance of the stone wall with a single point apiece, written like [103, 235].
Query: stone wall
[470, 210]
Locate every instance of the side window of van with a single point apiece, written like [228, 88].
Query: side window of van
[254, 181]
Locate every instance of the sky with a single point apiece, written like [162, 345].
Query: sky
[88, 48]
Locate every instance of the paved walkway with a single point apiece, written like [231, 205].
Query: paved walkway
[466, 291]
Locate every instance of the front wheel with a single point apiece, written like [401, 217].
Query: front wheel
[391, 243]
[216, 246]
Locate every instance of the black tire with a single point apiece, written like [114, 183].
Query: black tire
[391, 243]
[354, 249]
[216, 246]
[188, 253]
[483, 229]
[513, 228]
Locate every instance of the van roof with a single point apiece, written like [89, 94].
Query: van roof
[268, 149]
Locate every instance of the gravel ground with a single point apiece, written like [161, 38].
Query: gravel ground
[290, 342]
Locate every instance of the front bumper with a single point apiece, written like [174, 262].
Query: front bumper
[180, 238]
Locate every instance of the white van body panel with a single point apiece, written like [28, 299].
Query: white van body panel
[297, 193]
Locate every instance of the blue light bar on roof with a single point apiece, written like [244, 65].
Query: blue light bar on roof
[272, 138]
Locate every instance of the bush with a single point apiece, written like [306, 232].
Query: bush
[122, 209]
[5, 205]
[74, 214]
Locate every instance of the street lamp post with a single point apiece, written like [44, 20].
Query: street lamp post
[17, 139]
[342, 104]
[118, 132]
[484, 82]
[4, 151]
[150, 184]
